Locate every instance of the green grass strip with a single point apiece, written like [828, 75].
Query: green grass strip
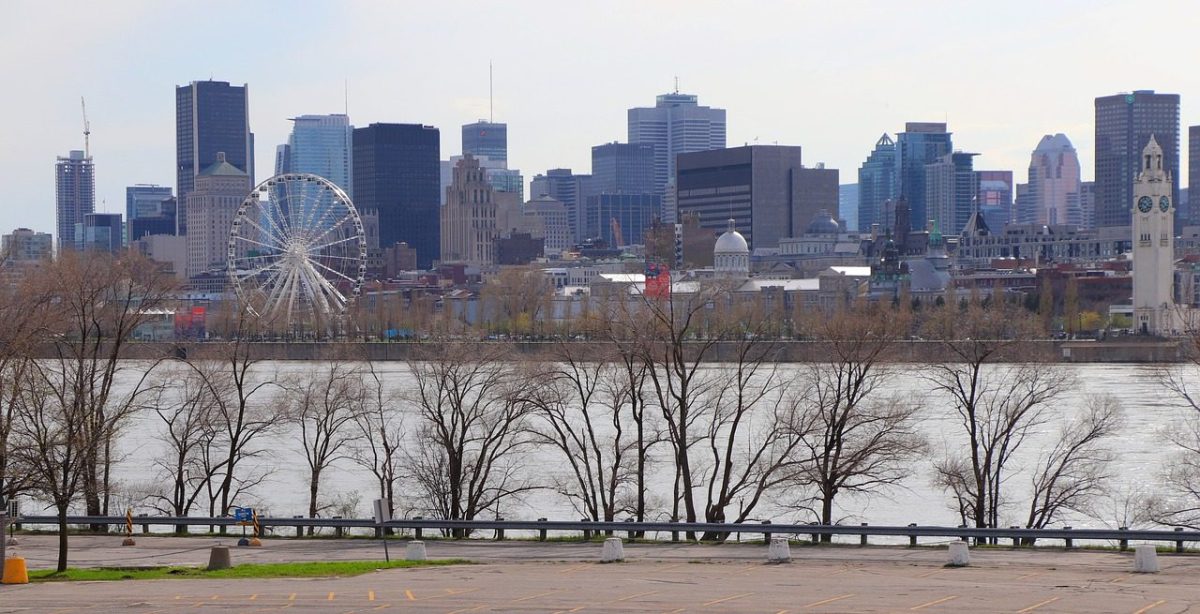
[320, 569]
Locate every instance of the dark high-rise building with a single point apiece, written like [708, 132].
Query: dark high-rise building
[1124, 124]
[148, 201]
[623, 168]
[99, 231]
[765, 189]
[995, 198]
[486, 139]
[396, 172]
[877, 184]
[1193, 176]
[210, 117]
[920, 144]
[630, 214]
[74, 195]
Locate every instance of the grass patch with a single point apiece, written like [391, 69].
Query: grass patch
[321, 569]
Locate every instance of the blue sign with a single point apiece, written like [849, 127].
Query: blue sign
[242, 514]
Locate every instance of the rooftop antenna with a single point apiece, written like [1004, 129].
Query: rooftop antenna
[676, 84]
[346, 95]
[491, 117]
[87, 129]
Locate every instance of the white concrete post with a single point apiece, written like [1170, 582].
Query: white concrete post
[1145, 559]
[613, 551]
[959, 554]
[415, 551]
[779, 551]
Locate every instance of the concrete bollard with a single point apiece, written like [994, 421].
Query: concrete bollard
[613, 551]
[960, 555]
[415, 551]
[779, 551]
[218, 558]
[1145, 559]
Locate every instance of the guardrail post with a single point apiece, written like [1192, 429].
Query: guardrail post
[1016, 540]
[674, 534]
[1124, 543]
[816, 537]
[629, 534]
[378, 532]
[587, 533]
[862, 539]
[299, 528]
[766, 534]
[912, 537]
[145, 526]
[1070, 542]
[417, 531]
[1179, 543]
[542, 531]
[499, 531]
[337, 531]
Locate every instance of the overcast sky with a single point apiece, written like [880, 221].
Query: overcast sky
[830, 76]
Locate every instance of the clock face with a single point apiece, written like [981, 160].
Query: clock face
[1145, 204]
[1164, 203]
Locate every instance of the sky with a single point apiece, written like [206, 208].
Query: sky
[828, 76]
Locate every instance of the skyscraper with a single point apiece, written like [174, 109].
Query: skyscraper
[1054, 183]
[396, 172]
[848, 205]
[214, 201]
[24, 246]
[99, 231]
[675, 125]
[1193, 174]
[321, 145]
[877, 184]
[468, 219]
[569, 189]
[950, 188]
[484, 138]
[1124, 124]
[623, 168]
[920, 144]
[147, 201]
[995, 198]
[74, 194]
[210, 116]
[764, 188]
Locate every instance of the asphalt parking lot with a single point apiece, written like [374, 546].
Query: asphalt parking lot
[565, 577]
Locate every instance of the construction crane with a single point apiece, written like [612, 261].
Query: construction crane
[618, 238]
[87, 129]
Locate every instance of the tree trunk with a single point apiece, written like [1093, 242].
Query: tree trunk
[827, 515]
[313, 486]
[62, 539]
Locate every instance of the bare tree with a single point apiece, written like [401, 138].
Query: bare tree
[1180, 504]
[381, 425]
[1073, 473]
[185, 405]
[473, 429]
[323, 403]
[23, 311]
[998, 404]
[860, 439]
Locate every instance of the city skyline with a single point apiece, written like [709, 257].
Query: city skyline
[994, 104]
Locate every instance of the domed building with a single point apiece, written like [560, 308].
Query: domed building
[823, 224]
[731, 254]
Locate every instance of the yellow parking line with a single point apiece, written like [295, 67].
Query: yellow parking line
[370, 595]
[330, 597]
[830, 600]
[534, 596]
[409, 594]
[449, 593]
[253, 597]
[1151, 606]
[933, 603]
[1118, 579]
[724, 599]
[380, 607]
[634, 596]
[292, 597]
[478, 607]
[1038, 605]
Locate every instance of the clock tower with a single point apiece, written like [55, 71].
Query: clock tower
[1153, 245]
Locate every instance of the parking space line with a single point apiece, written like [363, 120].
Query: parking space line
[1038, 605]
[573, 568]
[830, 600]
[409, 594]
[1119, 579]
[330, 597]
[724, 599]
[370, 595]
[478, 607]
[449, 593]
[530, 597]
[634, 596]
[380, 607]
[292, 597]
[1151, 606]
[253, 597]
[933, 603]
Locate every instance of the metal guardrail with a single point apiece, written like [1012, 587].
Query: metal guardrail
[1178, 536]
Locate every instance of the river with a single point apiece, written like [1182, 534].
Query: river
[1142, 452]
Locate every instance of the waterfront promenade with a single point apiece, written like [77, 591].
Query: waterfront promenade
[566, 577]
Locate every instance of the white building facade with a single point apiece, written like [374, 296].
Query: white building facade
[1153, 245]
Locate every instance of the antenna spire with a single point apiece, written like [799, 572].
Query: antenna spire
[676, 84]
[346, 94]
[491, 96]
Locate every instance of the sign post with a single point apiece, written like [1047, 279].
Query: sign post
[3, 525]
[243, 516]
[383, 513]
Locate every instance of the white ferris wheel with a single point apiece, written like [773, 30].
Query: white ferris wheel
[297, 251]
